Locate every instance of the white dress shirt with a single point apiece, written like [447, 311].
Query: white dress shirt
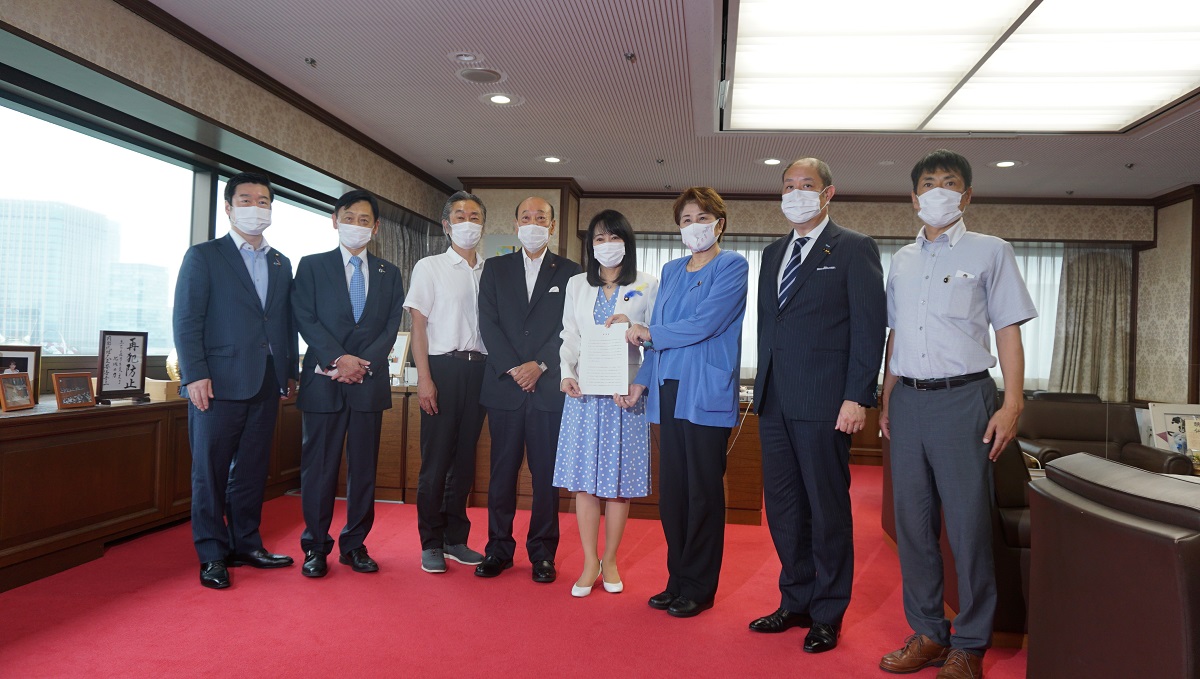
[445, 289]
[804, 250]
[532, 267]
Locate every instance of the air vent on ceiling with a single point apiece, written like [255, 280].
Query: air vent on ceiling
[480, 75]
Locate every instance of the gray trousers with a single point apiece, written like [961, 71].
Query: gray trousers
[940, 467]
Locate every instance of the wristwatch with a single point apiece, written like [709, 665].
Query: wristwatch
[542, 366]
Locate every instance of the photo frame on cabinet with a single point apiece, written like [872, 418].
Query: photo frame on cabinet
[73, 390]
[122, 369]
[16, 392]
[23, 359]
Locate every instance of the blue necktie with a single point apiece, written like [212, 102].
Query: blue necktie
[787, 287]
[358, 288]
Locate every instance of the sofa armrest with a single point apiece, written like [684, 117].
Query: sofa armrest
[1038, 450]
[1155, 460]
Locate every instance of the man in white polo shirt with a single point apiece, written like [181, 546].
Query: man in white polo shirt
[939, 411]
[448, 352]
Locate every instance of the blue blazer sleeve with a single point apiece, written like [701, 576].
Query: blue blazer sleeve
[191, 308]
[724, 305]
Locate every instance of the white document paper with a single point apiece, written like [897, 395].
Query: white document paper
[604, 360]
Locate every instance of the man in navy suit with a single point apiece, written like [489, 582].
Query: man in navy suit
[348, 306]
[821, 319]
[521, 298]
[237, 358]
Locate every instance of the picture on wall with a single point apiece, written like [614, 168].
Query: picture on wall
[27, 360]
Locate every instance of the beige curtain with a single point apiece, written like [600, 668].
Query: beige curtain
[1091, 336]
[405, 237]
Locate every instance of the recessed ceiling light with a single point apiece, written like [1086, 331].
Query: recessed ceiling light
[552, 159]
[484, 76]
[500, 99]
[772, 161]
[1006, 163]
[464, 56]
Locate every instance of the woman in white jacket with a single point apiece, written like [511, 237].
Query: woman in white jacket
[603, 449]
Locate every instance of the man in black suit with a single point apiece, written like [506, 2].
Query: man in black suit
[821, 319]
[348, 307]
[237, 358]
[521, 297]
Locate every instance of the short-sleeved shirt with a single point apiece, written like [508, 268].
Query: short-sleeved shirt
[943, 295]
[445, 289]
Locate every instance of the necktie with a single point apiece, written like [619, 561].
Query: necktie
[787, 287]
[358, 288]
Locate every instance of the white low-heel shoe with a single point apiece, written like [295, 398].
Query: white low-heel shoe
[611, 587]
[580, 592]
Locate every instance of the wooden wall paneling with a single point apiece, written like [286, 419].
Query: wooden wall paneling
[412, 444]
[743, 473]
[179, 464]
[285, 451]
[866, 447]
[393, 453]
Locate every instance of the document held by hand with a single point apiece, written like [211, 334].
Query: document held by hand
[604, 360]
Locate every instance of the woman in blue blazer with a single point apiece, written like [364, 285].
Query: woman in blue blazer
[690, 377]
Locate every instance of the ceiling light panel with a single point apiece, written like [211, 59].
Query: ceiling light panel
[863, 65]
[1082, 65]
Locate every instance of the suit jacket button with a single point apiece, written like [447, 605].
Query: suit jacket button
[263, 345]
[526, 333]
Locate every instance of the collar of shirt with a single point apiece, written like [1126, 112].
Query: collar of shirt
[953, 234]
[532, 264]
[812, 235]
[456, 259]
[242, 244]
[346, 255]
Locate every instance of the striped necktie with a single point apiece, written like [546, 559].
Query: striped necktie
[358, 288]
[787, 287]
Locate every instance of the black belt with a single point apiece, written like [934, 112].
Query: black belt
[943, 382]
[467, 355]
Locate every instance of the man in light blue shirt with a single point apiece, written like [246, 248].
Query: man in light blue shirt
[944, 291]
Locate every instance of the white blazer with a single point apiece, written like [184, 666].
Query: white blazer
[635, 301]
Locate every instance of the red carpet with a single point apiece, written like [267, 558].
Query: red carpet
[140, 612]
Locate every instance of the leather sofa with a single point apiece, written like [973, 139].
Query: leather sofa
[1115, 572]
[1010, 541]
[1051, 429]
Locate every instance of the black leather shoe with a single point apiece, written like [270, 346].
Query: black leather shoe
[492, 566]
[543, 571]
[780, 621]
[662, 600]
[358, 561]
[821, 638]
[683, 607]
[261, 558]
[315, 565]
[214, 575]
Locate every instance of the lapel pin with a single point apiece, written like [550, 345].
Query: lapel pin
[381, 270]
[277, 262]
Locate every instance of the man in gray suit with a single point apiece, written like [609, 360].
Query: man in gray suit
[237, 358]
[821, 316]
[348, 307]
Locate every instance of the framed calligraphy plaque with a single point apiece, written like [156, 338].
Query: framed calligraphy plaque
[122, 369]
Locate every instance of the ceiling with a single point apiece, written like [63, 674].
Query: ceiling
[647, 124]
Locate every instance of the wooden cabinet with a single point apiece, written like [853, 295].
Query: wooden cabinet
[73, 480]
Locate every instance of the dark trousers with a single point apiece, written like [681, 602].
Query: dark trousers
[940, 467]
[448, 452]
[806, 485]
[231, 456]
[320, 461]
[517, 434]
[691, 504]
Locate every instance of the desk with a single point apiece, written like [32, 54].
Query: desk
[73, 480]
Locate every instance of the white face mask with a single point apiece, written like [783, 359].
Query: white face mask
[533, 237]
[354, 236]
[801, 206]
[699, 237]
[251, 220]
[610, 254]
[939, 207]
[466, 235]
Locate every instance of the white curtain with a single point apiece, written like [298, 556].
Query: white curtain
[1039, 264]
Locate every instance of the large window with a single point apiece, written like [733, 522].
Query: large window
[91, 238]
[1040, 264]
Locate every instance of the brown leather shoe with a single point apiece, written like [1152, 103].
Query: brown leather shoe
[918, 653]
[962, 665]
